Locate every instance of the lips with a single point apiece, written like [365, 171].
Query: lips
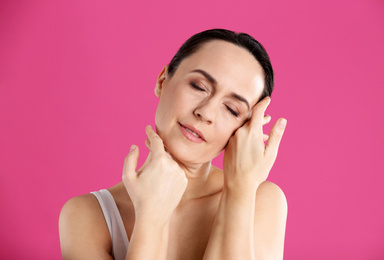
[191, 133]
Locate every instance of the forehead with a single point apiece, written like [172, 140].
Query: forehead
[233, 67]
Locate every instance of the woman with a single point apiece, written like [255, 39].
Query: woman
[212, 96]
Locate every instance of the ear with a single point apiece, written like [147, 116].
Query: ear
[160, 80]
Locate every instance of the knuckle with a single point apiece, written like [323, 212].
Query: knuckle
[161, 160]
[276, 134]
[157, 139]
[126, 159]
[126, 176]
[151, 136]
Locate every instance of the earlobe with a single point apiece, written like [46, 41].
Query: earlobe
[160, 80]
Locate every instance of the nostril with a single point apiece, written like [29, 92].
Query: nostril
[201, 117]
[197, 114]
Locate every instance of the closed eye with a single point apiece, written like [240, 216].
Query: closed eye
[233, 112]
[195, 86]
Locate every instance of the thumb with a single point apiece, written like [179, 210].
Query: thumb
[130, 163]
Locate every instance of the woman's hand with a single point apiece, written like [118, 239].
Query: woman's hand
[247, 160]
[155, 189]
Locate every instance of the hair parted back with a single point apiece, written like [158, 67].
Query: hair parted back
[240, 39]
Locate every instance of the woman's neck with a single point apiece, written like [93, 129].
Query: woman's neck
[203, 180]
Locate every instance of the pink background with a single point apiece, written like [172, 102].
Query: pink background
[76, 90]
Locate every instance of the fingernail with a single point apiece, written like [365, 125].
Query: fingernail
[133, 147]
[147, 129]
[282, 123]
[269, 101]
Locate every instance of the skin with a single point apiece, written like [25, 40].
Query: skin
[177, 205]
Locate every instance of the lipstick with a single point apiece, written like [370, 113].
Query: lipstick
[191, 133]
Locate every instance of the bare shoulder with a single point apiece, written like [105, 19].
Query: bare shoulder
[270, 221]
[83, 203]
[269, 194]
[83, 231]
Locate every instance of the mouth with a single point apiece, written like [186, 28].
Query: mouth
[191, 133]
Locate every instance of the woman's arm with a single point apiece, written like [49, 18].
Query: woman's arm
[149, 239]
[249, 228]
[155, 191]
[250, 223]
[232, 233]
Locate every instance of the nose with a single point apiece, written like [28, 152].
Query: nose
[206, 111]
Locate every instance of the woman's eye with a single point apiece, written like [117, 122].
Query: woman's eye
[233, 112]
[195, 86]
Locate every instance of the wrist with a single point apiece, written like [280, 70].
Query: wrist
[240, 187]
[239, 197]
[151, 219]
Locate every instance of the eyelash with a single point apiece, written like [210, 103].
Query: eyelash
[195, 86]
[233, 112]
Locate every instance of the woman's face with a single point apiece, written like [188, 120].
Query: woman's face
[207, 99]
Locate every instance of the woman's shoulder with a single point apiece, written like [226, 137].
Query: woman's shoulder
[270, 195]
[80, 207]
[270, 188]
[87, 206]
[82, 229]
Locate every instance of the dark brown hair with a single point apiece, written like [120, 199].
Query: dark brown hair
[240, 39]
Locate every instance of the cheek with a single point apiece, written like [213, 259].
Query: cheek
[172, 104]
[174, 96]
[224, 131]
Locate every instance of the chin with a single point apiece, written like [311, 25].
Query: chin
[186, 153]
[181, 155]
[187, 156]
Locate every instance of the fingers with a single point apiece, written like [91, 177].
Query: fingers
[130, 163]
[266, 119]
[154, 143]
[258, 119]
[275, 136]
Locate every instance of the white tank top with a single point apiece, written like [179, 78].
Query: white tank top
[114, 222]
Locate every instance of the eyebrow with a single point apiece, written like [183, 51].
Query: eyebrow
[240, 98]
[207, 75]
[214, 82]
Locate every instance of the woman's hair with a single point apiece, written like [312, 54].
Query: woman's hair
[240, 39]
